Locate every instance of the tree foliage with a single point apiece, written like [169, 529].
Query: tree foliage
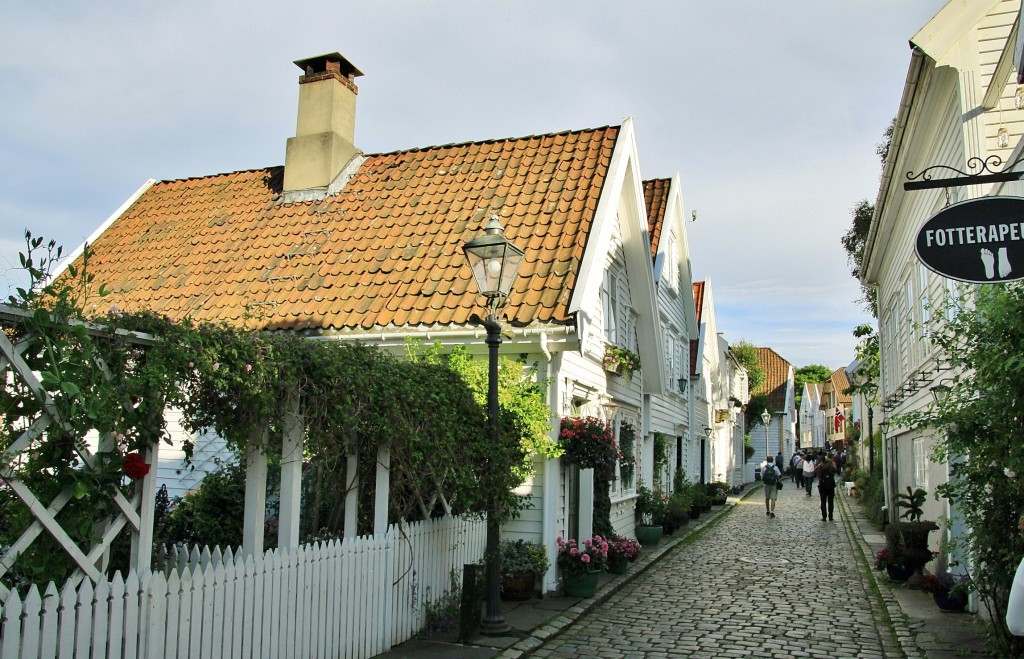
[746, 354]
[980, 425]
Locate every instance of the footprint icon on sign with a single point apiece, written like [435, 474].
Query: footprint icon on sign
[989, 261]
[1004, 264]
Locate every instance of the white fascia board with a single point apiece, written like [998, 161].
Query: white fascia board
[890, 185]
[103, 227]
[942, 34]
[675, 212]
[1001, 75]
[623, 189]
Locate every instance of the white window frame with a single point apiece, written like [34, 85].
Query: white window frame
[920, 464]
[610, 299]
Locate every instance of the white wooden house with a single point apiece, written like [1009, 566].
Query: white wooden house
[779, 384]
[348, 245]
[960, 102]
[811, 423]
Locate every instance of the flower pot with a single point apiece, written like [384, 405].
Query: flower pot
[518, 586]
[899, 572]
[618, 564]
[648, 536]
[695, 512]
[947, 602]
[581, 585]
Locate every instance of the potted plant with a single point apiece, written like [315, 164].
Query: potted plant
[620, 361]
[581, 564]
[908, 541]
[677, 512]
[950, 591]
[719, 493]
[701, 500]
[521, 562]
[589, 443]
[648, 511]
[621, 552]
[893, 564]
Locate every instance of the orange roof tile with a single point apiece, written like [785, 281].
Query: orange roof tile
[776, 372]
[840, 383]
[656, 201]
[385, 251]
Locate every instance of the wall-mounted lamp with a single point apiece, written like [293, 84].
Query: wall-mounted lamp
[884, 427]
[707, 431]
[1018, 98]
[610, 408]
[1003, 138]
[940, 392]
[682, 382]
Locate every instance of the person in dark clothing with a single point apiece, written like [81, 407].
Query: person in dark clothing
[826, 474]
[780, 462]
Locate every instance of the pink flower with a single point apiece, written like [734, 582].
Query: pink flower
[574, 552]
[585, 558]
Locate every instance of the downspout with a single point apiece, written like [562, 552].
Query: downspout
[552, 471]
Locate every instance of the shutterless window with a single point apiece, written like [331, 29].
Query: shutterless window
[920, 464]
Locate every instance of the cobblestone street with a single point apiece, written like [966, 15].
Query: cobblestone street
[733, 593]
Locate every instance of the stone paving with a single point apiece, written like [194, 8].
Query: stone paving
[734, 593]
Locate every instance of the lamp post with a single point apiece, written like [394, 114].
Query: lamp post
[765, 418]
[495, 263]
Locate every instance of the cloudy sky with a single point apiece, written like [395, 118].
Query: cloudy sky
[769, 111]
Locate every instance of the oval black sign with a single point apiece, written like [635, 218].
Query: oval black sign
[979, 241]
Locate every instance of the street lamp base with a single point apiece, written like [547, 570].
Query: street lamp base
[494, 626]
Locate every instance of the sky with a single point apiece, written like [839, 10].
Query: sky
[770, 112]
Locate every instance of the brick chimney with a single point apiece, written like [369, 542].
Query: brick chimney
[323, 142]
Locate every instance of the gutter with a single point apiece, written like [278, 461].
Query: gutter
[914, 75]
[399, 336]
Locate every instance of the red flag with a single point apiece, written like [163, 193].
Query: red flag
[839, 419]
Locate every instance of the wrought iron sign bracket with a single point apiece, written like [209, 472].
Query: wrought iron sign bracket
[979, 172]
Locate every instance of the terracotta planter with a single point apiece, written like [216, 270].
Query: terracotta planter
[518, 586]
[618, 565]
[899, 572]
[581, 585]
[648, 536]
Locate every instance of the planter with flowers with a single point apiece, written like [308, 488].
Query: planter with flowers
[949, 591]
[581, 564]
[650, 509]
[907, 542]
[588, 442]
[893, 563]
[521, 562]
[621, 552]
[620, 361]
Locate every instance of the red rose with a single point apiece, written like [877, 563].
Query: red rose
[134, 467]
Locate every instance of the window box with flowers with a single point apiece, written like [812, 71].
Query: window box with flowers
[588, 442]
[581, 564]
[620, 361]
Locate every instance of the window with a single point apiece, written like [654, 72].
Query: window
[667, 342]
[922, 273]
[610, 301]
[911, 329]
[626, 430]
[920, 464]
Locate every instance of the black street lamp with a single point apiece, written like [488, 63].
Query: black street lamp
[495, 263]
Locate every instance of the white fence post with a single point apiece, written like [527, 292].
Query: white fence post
[255, 495]
[351, 496]
[291, 475]
[382, 490]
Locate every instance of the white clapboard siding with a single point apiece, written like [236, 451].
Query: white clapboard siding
[352, 598]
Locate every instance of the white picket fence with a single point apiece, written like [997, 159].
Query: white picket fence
[354, 598]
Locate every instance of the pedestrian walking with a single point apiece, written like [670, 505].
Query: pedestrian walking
[780, 462]
[797, 468]
[770, 475]
[826, 473]
[808, 472]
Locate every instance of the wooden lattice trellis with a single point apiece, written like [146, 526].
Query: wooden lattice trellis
[137, 513]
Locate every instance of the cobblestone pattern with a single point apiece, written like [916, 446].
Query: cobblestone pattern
[735, 593]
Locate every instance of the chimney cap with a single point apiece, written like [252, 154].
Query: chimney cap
[318, 64]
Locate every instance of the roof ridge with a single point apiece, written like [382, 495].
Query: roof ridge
[494, 140]
[251, 170]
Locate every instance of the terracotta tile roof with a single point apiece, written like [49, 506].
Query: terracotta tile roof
[656, 201]
[840, 383]
[776, 371]
[385, 252]
[698, 298]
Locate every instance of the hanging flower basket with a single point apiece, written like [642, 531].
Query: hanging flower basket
[620, 361]
[588, 442]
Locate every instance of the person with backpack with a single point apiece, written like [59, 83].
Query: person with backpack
[797, 466]
[770, 475]
[826, 473]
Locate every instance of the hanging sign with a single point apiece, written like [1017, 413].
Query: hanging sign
[979, 241]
